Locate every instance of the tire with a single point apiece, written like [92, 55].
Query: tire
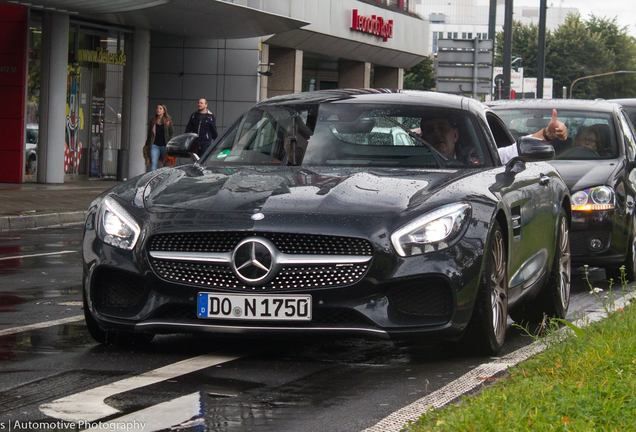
[110, 336]
[554, 299]
[559, 285]
[486, 331]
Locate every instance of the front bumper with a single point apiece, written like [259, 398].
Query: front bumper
[431, 294]
[608, 230]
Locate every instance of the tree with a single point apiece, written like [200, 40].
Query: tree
[421, 76]
[623, 49]
[576, 52]
[578, 49]
[525, 40]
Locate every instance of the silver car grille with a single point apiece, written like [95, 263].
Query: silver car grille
[286, 243]
[309, 261]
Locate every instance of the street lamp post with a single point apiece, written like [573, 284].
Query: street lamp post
[594, 76]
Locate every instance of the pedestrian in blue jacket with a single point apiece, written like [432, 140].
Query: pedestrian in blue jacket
[203, 123]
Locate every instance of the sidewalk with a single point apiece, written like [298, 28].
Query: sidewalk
[38, 205]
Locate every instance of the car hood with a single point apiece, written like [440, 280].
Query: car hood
[293, 190]
[579, 174]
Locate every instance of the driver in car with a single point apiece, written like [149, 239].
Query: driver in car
[443, 135]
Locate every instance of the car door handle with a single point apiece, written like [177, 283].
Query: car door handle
[544, 180]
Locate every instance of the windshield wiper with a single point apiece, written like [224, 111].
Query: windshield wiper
[439, 157]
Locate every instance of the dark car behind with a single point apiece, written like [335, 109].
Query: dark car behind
[602, 182]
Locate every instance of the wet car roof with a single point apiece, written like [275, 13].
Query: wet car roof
[628, 102]
[414, 97]
[601, 105]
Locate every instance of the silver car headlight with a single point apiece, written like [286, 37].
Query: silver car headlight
[596, 198]
[434, 231]
[115, 226]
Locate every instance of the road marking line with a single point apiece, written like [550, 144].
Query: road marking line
[165, 415]
[89, 405]
[395, 422]
[37, 255]
[41, 325]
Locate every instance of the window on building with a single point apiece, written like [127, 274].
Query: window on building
[464, 35]
[470, 35]
[454, 35]
[449, 35]
[437, 18]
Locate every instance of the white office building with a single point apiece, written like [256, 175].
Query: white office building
[467, 19]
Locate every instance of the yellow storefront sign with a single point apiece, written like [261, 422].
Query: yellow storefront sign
[102, 56]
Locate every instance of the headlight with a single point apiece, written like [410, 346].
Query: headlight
[115, 226]
[596, 198]
[434, 231]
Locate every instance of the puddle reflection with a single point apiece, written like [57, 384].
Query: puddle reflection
[61, 338]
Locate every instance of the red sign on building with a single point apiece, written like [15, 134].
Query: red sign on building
[373, 25]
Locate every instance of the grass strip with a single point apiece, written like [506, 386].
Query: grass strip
[585, 383]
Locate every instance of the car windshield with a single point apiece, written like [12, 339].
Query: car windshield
[591, 134]
[345, 134]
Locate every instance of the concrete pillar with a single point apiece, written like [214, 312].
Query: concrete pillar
[55, 28]
[138, 94]
[388, 77]
[288, 71]
[125, 107]
[263, 81]
[354, 74]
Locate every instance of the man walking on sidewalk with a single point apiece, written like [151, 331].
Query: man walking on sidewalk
[203, 123]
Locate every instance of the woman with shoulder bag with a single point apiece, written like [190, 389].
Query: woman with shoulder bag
[160, 131]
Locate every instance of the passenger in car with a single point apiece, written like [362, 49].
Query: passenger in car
[588, 136]
[554, 130]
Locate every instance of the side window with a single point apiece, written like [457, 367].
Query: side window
[628, 132]
[502, 136]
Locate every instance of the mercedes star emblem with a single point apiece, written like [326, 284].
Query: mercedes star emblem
[253, 260]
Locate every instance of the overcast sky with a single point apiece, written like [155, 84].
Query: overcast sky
[623, 10]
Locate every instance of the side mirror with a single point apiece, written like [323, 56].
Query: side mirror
[184, 145]
[535, 149]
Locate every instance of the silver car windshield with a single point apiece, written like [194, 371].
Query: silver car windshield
[339, 134]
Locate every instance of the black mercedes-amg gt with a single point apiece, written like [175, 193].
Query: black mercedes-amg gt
[327, 212]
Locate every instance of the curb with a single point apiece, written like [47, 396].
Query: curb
[10, 223]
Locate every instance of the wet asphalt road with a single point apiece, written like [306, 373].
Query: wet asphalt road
[272, 385]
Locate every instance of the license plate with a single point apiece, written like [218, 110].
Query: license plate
[260, 307]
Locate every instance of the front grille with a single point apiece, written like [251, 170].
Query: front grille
[580, 241]
[221, 276]
[423, 297]
[298, 276]
[116, 292]
[286, 243]
[321, 317]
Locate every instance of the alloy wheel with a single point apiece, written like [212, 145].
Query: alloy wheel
[498, 287]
